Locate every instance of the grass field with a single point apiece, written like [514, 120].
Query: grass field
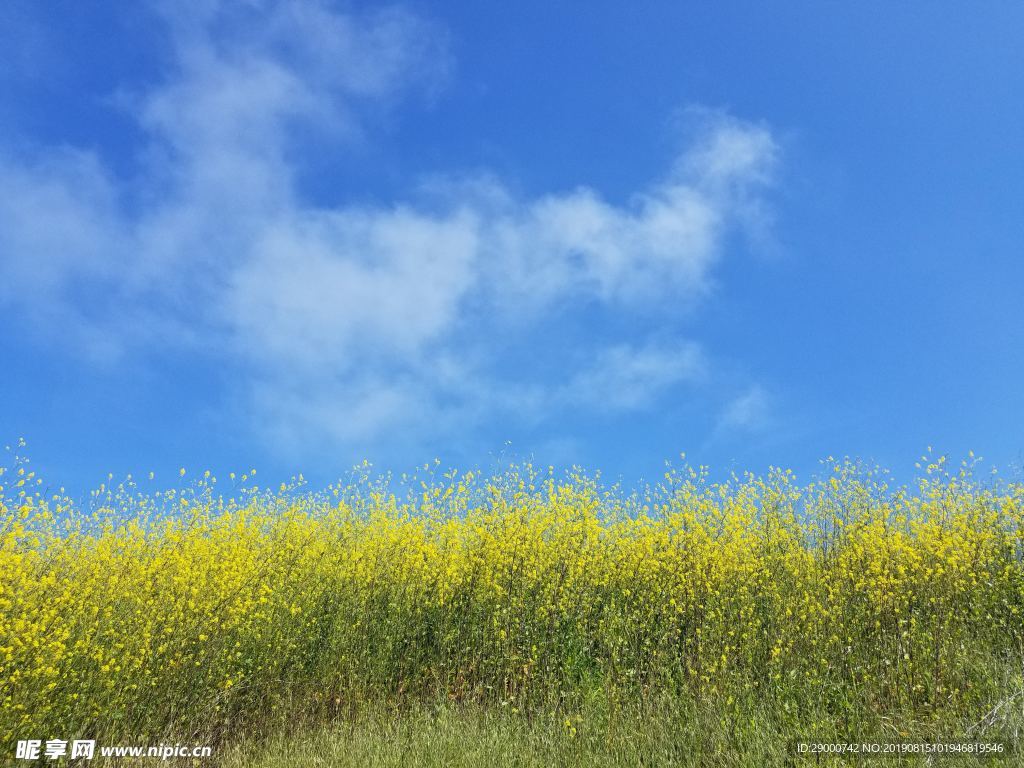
[671, 734]
[520, 619]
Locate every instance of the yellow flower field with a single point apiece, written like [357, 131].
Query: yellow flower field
[204, 613]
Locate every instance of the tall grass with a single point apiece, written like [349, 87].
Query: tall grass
[837, 607]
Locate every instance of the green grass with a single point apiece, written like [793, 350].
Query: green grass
[592, 733]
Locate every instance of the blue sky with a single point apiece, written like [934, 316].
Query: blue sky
[299, 235]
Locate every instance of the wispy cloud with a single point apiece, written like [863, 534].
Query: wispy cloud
[347, 321]
[629, 378]
[750, 411]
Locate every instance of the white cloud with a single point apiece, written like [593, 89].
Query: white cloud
[747, 412]
[348, 321]
[66, 199]
[628, 378]
[328, 288]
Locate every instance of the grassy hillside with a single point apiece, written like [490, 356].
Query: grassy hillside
[520, 619]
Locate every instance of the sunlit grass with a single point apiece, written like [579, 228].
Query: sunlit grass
[657, 731]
